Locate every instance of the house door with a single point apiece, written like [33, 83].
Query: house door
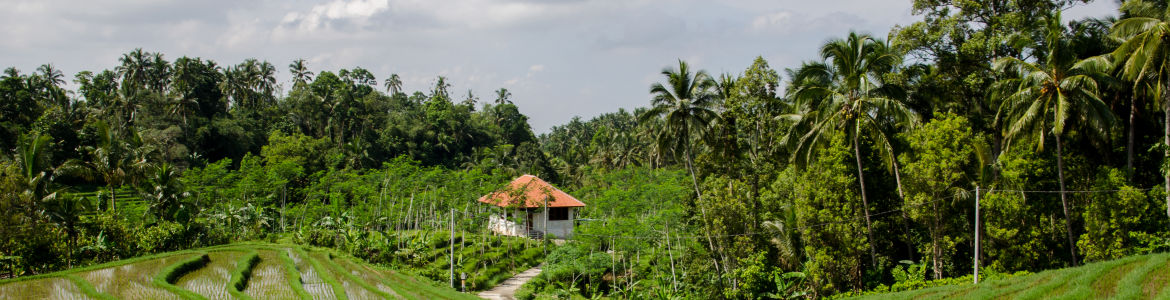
[529, 223]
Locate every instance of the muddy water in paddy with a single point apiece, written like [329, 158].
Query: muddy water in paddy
[314, 285]
[268, 278]
[49, 288]
[211, 280]
[133, 281]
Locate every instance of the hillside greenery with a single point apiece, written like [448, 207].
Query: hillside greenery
[857, 170]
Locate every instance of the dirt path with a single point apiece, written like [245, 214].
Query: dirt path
[507, 289]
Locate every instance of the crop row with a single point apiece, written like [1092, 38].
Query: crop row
[241, 271]
[1137, 277]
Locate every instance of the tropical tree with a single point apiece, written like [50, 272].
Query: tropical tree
[164, 191]
[113, 159]
[300, 72]
[33, 152]
[503, 96]
[686, 104]
[66, 212]
[1145, 54]
[1044, 97]
[134, 70]
[394, 84]
[49, 80]
[848, 93]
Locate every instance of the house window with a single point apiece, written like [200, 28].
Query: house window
[558, 214]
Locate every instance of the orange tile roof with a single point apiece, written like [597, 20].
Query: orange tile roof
[534, 191]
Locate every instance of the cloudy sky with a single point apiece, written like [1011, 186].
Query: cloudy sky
[559, 58]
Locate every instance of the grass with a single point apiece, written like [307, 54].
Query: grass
[351, 278]
[236, 271]
[1135, 277]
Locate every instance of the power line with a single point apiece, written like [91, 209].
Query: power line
[857, 219]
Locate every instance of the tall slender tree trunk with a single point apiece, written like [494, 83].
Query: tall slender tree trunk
[1064, 200]
[864, 202]
[1129, 146]
[113, 198]
[1166, 133]
[702, 209]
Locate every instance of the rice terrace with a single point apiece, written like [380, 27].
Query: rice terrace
[236, 271]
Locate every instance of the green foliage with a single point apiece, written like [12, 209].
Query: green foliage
[835, 248]
[1118, 224]
[190, 153]
[939, 169]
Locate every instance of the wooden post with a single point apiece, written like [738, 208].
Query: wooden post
[452, 245]
[976, 234]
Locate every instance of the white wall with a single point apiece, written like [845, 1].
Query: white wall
[561, 229]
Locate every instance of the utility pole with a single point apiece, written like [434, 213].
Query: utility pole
[452, 245]
[976, 234]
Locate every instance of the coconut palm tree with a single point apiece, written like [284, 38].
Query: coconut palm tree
[686, 105]
[394, 84]
[164, 192]
[503, 96]
[32, 154]
[300, 72]
[1044, 97]
[847, 93]
[158, 73]
[134, 70]
[113, 159]
[1145, 54]
[67, 212]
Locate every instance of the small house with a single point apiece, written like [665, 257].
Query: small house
[531, 207]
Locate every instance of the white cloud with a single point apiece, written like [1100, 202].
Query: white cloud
[536, 68]
[777, 20]
[321, 15]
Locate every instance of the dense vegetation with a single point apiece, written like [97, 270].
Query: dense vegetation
[850, 172]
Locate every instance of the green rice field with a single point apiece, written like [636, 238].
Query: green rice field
[237, 271]
[1136, 277]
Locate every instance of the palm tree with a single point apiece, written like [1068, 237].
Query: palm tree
[134, 70]
[848, 93]
[158, 73]
[263, 77]
[164, 192]
[66, 212]
[686, 104]
[1047, 95]
[393, 84]
[503, 96]
[300, 72]
[33, 151]
[1146, 54]
[50, 80]
[112, 159]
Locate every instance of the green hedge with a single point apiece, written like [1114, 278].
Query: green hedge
[239, 280]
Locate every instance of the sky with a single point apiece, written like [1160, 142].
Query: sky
[558, 58]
